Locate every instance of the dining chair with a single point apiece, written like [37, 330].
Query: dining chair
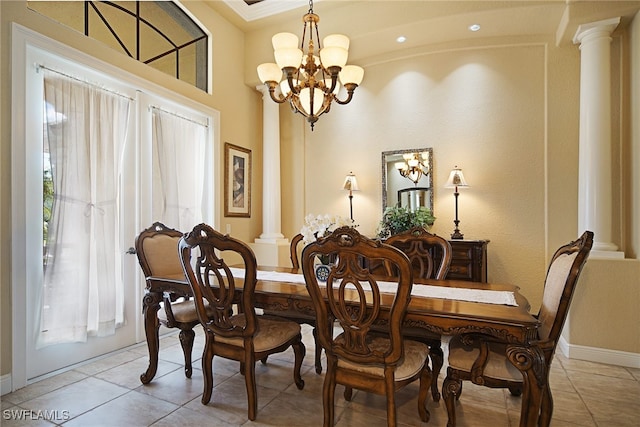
[157, 251]
[483, 361]
[298, 316]
[294, 250]
[430, 257]
[244, 336]
[359, 357]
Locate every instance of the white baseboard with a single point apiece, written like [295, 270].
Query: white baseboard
[600, 355]
[5, 384]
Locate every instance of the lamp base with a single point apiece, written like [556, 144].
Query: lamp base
[457, 235]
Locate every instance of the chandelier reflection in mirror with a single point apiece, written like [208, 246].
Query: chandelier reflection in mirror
[310, 81]
[414, 166]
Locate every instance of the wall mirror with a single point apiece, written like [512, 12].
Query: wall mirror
[407, 178]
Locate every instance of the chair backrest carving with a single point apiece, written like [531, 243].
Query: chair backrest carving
[562, 276]
[353, 297]
[423, 249]
[293, 250]
[213, 283]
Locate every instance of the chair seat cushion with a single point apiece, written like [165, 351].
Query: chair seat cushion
[415, 356]
[462, 357]
[272, 333]
[183, 312]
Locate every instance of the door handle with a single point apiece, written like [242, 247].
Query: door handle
[131, 251]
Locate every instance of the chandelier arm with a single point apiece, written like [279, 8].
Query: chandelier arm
[272, 92]
[294, 89]
[334, 72]
[346, 101]
[351, 87]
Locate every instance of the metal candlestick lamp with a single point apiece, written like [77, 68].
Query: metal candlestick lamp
[456, 179]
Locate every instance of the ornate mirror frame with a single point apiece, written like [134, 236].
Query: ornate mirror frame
[392, 181]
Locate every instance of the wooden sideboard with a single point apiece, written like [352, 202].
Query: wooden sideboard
[469, 260]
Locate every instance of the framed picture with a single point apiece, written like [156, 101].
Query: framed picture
[237, 181]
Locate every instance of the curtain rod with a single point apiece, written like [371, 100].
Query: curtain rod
[39, 66]
[154, 107]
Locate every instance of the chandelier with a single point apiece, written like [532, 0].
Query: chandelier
[414, 166]
[311, 70]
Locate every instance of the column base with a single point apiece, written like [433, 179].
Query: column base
[272, 253]
[606, 254]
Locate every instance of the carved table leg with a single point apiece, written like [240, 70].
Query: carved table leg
[150, 307]
[530, 361]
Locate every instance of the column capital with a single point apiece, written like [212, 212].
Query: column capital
[603, 28]
[264, 89]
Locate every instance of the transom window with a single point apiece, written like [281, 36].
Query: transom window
[158, 33]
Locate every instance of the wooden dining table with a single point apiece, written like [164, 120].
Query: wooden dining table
[511, 324]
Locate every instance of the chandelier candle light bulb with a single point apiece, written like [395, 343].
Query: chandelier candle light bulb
[414, 166]
[313, 74]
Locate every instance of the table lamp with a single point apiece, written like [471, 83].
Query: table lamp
[456, 179]
[351, 184]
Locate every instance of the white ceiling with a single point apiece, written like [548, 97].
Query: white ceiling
[374, 24]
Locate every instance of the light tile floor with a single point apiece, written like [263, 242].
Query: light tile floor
[108, 392]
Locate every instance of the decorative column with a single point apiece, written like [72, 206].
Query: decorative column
[271, 210]
[595, 176]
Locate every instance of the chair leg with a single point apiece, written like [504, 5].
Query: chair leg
[299, 351]
[348, 393]
[151, 305]
[426, 380]
[252, 389]
[328, 396]
[186, 341]
[515, 390]
[546, 409]
[437, 360]
[390, 392]
[318, 360]
[450, 389]
[207, 368]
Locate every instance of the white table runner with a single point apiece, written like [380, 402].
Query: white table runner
[440, 292]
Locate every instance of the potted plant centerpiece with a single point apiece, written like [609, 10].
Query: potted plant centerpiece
[397, 219]
[318, 226]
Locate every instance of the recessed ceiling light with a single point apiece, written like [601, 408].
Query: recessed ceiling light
[401, 39]
[474, 27]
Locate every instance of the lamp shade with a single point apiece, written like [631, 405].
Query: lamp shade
[305, 100]
[350, 183]
[351, 74]
[288, 57]
[269, 72]
[338, 40]
[284, 41]
[456, 179]
[334, 56]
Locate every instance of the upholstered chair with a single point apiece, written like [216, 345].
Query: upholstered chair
[484, 361]
[166, 286]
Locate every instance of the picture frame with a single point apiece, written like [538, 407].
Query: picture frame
[237, 181]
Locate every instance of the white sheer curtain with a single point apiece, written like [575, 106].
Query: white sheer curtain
[178, 169]
[83, 286]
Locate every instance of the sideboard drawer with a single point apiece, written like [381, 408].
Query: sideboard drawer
[469, 260]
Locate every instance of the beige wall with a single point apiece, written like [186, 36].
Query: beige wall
[483, 108]
[239, 106]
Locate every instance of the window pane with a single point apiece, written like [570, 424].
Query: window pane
[164, 29]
